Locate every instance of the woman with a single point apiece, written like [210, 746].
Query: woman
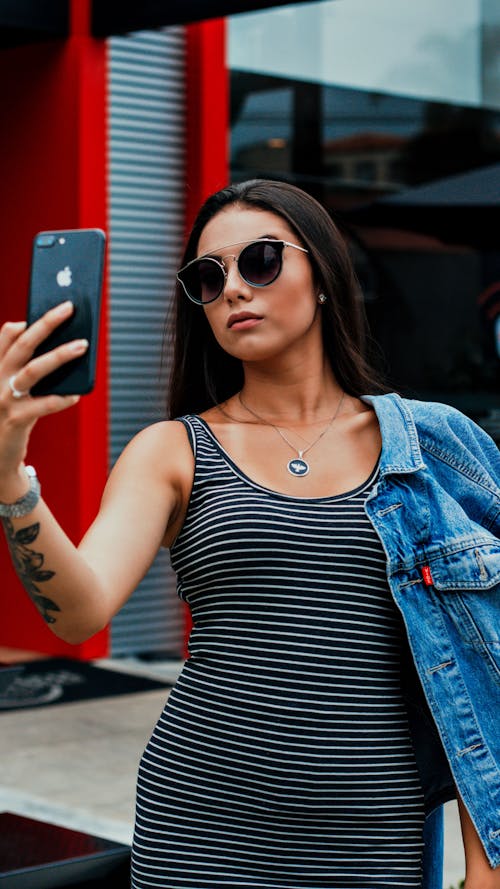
[338, 551]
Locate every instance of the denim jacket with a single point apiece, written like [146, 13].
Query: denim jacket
[436, 509]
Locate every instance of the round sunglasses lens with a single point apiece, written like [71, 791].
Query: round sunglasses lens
[204, 280]
[260, 264]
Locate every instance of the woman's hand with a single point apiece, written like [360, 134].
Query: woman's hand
[19, 372]
[486, 881]
[478, 872]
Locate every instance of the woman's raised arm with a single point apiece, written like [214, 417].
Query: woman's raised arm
[78, 589]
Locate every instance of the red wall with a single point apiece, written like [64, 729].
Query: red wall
[52, 163]
[207, 136]
[207, 167]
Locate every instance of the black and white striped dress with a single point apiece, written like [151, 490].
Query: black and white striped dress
[283, 756]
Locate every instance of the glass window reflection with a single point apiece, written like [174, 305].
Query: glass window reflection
[356, 102]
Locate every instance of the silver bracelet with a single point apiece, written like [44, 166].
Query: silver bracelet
[25, 504]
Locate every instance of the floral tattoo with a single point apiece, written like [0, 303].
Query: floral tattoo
[29, 566]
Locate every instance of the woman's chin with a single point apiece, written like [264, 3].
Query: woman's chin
[253, 353]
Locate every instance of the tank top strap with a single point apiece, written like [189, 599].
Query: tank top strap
[201, 441]
[190, 429]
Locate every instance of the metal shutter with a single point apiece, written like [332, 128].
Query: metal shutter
[146, 164]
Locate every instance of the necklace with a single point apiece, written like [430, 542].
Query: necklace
[298, 466]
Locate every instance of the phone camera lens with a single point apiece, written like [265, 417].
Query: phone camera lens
[45, 241]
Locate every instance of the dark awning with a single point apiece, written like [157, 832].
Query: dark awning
[460, 209]
[121, 16]
[24, 21]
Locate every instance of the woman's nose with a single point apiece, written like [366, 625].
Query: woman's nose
[235, 287]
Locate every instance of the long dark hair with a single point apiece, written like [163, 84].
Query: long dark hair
[203, 374]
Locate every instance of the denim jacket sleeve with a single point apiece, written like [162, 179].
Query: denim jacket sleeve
[459, 444]
[437, 511]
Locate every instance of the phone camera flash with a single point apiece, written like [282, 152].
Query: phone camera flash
[62, 240]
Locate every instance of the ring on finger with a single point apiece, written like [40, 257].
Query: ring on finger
[17, 393]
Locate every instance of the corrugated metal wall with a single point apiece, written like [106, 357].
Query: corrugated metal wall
[146, 163]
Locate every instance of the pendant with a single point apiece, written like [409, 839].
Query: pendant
[298, 466]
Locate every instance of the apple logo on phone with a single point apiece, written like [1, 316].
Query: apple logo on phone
[64, 277]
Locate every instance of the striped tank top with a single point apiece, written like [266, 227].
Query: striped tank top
[283, 756]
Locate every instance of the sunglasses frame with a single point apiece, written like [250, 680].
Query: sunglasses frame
[221, 264]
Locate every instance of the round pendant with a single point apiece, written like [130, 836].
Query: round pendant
[298, 466]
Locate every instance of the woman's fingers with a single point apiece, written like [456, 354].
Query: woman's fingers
[34, 408]
[39, 367]
[9, 332]
[19, 372]
[23, 413]
[22, 345]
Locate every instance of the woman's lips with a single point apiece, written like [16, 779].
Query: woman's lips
[245, 323]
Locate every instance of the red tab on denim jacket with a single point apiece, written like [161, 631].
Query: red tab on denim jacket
[426, 574]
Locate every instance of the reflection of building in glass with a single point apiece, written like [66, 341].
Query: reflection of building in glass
[363, 158]
[353, 160]
[357, 104]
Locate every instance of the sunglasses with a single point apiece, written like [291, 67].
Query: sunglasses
[259, 264]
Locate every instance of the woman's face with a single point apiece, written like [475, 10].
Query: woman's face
[281, 315]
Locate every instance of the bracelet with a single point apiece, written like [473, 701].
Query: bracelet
[26, 503]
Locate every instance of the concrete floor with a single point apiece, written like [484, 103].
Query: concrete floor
[75, 764]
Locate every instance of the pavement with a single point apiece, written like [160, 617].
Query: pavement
[75, 764]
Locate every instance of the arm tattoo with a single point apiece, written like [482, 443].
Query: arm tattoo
[29, 565]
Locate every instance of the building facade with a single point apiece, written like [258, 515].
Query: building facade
[381, 112]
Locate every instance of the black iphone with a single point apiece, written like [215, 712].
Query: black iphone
[68, 265]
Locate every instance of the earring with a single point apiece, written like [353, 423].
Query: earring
[322, 298]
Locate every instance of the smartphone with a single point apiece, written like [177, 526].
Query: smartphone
[68, 265]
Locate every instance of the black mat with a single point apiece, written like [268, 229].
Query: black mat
[61, 680]
[37, 854]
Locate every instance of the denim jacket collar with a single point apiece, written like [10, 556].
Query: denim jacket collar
[400, 446]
